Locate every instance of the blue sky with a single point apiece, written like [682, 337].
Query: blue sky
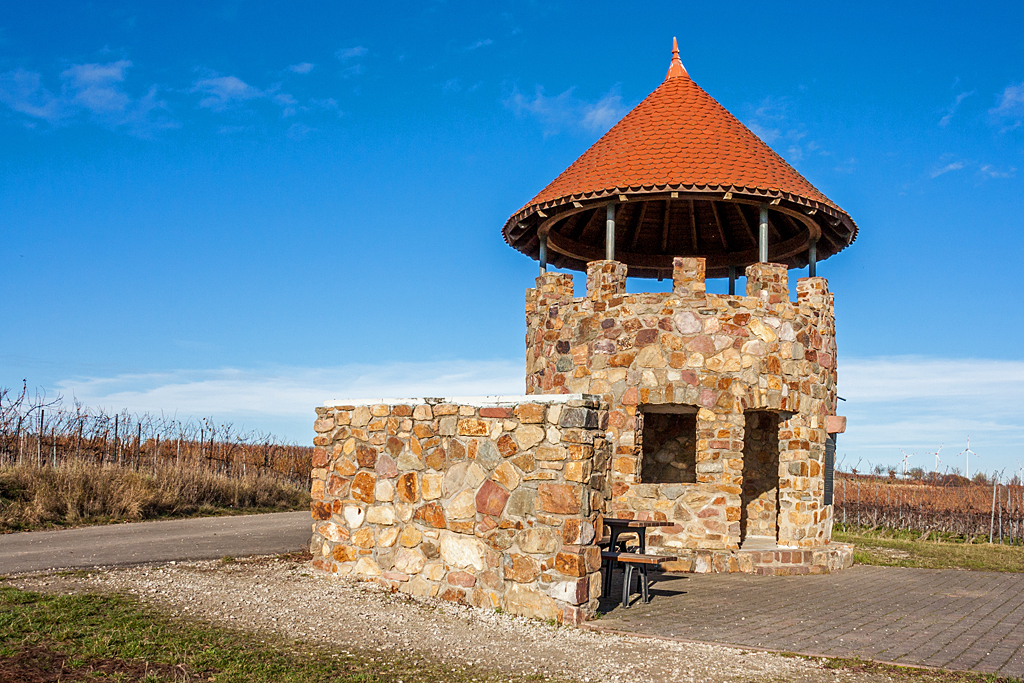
[242, 209]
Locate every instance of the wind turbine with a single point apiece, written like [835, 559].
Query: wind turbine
[967, 453]
[937, 458]
[906, 456]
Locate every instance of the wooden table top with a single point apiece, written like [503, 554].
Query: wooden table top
[634, 523]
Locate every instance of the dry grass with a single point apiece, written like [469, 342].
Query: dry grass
[77, 492]
[889, 548]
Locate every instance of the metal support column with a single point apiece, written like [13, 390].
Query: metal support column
[609, 233]
[732, 280]
[812, 259]
[543, 254]
[762, 242]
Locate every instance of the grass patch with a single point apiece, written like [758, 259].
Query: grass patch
[79, 493]
[894, 672]
[889, 548]
[93, 637]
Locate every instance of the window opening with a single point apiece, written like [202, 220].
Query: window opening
[669, 444]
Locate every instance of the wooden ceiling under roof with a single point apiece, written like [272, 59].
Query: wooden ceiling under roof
[651, 229]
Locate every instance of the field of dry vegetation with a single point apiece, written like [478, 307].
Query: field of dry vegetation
[68, 465]
[948, 506]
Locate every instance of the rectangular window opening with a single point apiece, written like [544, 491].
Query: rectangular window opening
[669, 444]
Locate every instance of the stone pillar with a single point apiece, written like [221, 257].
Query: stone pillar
[605, 280]
[688, 278]
[803, 519]
[768, 281]
[812, 291]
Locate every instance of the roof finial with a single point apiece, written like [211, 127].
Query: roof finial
[676, 68]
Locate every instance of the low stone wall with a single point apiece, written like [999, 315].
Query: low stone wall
[775, 562]
[490, 502]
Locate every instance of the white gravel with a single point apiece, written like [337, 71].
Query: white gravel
[285, 597]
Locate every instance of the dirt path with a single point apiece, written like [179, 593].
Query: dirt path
[282, 596]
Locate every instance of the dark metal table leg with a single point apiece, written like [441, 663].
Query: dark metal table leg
[643, 584]
[627, 578]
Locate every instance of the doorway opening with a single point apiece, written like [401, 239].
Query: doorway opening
[759, 513]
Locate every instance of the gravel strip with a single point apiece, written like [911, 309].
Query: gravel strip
[282, 596]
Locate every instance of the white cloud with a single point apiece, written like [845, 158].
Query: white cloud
[952, 166]
[770, 120]
[919, 403]
[222, 91]
[480, 43]
[347, 53]
[908, 402]
[23, 91]
[302, 67]
[93, 90]
[990, 171]
[1009, 110]
[285, 397]
[566, 111]
[603, 114]
[951, 110]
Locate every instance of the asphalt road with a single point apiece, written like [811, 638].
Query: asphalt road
[177, 539]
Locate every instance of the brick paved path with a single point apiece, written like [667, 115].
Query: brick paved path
[942, 618]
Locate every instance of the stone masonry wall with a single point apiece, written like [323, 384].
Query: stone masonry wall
[494, 503]
[724, 356]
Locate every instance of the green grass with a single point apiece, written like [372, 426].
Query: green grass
[889, 548]
[113, 638]
[894, 672]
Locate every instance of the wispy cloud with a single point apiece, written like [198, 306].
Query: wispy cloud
[948, 168]
[911, 402]
[223, 93]
[220, 92]
[282, 399]
[565, 111]
[989, 171]
[1009, 109]
[302, 67]
[951, 109]
[770, 120]
[91, 91]
[346, 53]
[350, 56]
[917, 403]
[480, 43]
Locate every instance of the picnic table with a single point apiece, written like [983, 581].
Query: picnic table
[617, 526]
[633, 562]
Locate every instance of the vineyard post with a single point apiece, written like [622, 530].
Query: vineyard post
[1000, 518]
[992, 519]
[39, 441]
[20, 436]
[78, 441]
[138, 446]
[202, 444]
[53, 445]
[117, 453]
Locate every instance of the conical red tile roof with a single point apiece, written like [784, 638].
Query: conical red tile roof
[679, 136]
[685, 174]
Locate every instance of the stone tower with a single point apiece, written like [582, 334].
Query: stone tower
[721, 408]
